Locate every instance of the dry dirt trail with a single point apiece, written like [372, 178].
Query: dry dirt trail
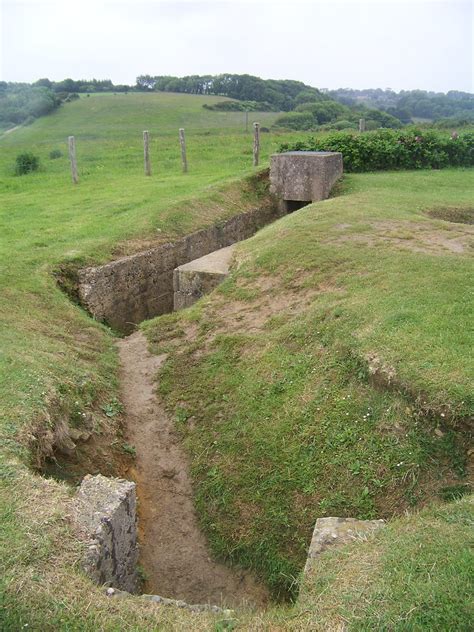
[174, 552]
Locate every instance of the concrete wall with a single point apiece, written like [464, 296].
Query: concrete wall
[125, 292]
[105, 512]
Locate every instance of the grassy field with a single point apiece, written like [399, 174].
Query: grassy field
[330, 373]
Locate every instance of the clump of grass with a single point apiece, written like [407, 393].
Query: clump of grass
[456, 214]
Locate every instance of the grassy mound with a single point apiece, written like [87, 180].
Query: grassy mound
[330, 375]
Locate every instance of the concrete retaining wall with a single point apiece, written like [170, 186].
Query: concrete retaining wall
[125, 292]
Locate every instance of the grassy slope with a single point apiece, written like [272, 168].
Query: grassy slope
[273, 389]
[416, 575]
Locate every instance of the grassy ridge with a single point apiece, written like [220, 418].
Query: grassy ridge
[330, 374]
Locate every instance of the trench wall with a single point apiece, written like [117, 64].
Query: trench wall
[126, 291]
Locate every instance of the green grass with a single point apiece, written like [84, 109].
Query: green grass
[278, 412]
[51, 353]
[352, 394]
[416, 574]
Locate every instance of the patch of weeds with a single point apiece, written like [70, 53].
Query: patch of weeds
[129, 449]
[455, 214]
[225, 625]
[181, 415]
[453, 492]
[142, 574]
[113, 408]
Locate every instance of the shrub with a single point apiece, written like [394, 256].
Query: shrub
[25, 163]
[55, 153]
[391, 149]
[297, 121]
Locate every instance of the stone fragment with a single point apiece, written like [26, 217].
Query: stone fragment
[330, 532]
[105, 512]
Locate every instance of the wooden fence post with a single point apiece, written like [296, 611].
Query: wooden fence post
[146, 153]
[72, 158]
[256, 143]
[361, 125]
[182, 142]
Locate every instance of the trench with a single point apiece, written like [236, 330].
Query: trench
[174, 553]
[129, 290]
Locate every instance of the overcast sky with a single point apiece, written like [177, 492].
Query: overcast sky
[406, 44]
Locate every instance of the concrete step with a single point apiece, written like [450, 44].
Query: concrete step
[196, 278]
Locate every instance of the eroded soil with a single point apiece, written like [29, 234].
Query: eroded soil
[174, 552]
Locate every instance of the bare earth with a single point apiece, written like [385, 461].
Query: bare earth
[174, 552]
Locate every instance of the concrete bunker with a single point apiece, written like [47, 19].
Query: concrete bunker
[298, 178]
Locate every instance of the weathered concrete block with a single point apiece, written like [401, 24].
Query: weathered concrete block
[305, 176]
[196, 278]
[105, 511]
[330, 532]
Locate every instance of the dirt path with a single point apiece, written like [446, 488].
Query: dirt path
[174, 552]
[9, 131]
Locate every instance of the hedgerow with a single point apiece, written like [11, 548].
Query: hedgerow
[393, 149]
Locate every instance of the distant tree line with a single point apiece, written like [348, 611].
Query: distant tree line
[23, 102]
[306, 107]
[408, 104]
[280, 95]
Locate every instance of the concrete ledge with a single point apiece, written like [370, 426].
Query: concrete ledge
[196, 278]
[105, 512]
[305, 176]
[329, 532]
